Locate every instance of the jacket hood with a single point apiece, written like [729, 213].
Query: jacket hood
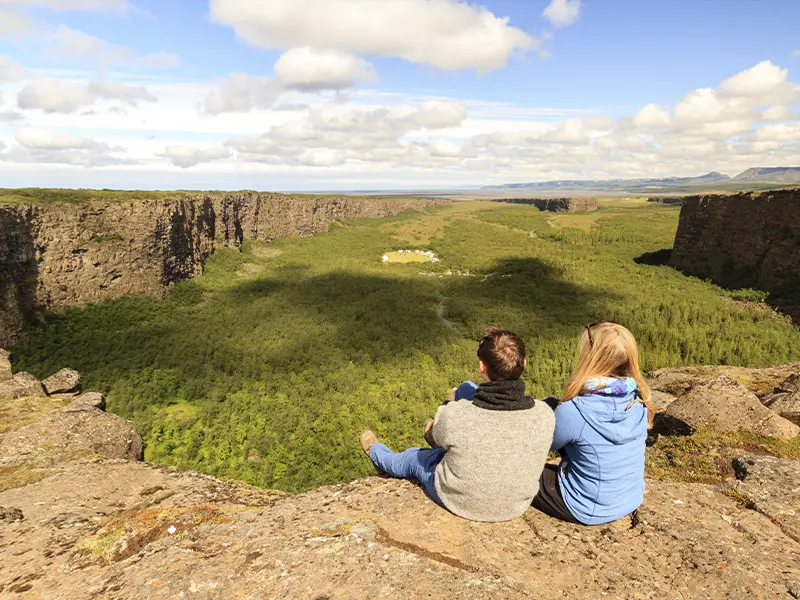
[607, 415]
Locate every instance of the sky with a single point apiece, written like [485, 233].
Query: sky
[305, 95]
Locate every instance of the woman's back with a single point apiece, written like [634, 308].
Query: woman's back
[602, 435]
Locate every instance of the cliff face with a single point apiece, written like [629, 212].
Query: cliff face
[741, 240]
[556, 204]
[57, 255]
[17, 274]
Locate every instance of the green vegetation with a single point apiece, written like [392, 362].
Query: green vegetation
[267, 367]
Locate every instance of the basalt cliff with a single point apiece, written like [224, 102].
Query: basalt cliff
[82, 518]
[56, 255]
[746, 240]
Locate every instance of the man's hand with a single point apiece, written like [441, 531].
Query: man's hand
[429, 433]
[452, 396]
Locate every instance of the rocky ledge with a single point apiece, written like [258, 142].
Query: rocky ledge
[80, 517]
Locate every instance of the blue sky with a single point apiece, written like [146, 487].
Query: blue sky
[349, 94]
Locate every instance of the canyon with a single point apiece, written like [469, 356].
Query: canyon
[62, 254]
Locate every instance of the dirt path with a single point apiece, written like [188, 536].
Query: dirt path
[440, 314]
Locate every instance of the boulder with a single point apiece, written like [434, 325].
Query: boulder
[760, 381]
[727, 406]
[772, 485]
[67, 434]
[661, 400]
[87, 401]
[5, 365]
[787, 406]
[64, 381]
[20, 385]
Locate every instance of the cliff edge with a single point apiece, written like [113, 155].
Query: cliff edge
[80, 517]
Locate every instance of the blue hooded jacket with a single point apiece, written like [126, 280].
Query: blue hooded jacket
[602, 436]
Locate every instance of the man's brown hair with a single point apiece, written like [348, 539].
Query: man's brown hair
[503, 353]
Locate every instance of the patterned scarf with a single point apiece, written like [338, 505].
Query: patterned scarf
[609, 386]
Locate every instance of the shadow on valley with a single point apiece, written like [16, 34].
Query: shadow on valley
[656, 259]
[271, 378]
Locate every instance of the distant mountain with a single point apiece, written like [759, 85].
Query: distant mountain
[613, 184]
[770, 175]
[713, 180]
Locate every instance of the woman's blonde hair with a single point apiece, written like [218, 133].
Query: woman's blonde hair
[607, 350]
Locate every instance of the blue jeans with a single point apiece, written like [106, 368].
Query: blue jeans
[414, 463]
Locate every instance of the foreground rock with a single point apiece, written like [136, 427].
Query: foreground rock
[727, 406]
[74, 431]
[65, 381]
[773, 486]
[760, 381]
[20, 385]
[103, 530]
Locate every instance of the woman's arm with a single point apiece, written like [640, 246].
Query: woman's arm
[569, 425]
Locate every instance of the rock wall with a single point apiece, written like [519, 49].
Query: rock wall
[666, 199]
[745, 240]
[17, 274]
[556, 204]
[57, 255]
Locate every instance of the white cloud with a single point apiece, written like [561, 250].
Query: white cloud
[187, 156]
[756, 81]
[796, 54]
[778, 113]
[73, 43]
[9, 116]
[447, 34]
[14, 25]
[785, 132]
[444, 148]
[38, 138]
[562, 12]
[652, 115]
[241, 93]
[333, 134]
[105, 89]
[46, 145]
[52, 95]
[309, 69]
[301, 69]
[9, 70]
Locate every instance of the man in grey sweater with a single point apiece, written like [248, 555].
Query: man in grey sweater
[490, 452]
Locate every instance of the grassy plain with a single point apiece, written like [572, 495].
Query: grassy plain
[267, 367]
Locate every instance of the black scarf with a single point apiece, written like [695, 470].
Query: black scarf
[503, 395]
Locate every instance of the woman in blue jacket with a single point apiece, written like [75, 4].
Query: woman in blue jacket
[601, 428]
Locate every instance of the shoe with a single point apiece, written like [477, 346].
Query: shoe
[368, 438]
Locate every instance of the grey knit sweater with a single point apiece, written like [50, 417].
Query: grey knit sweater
[493, 459]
